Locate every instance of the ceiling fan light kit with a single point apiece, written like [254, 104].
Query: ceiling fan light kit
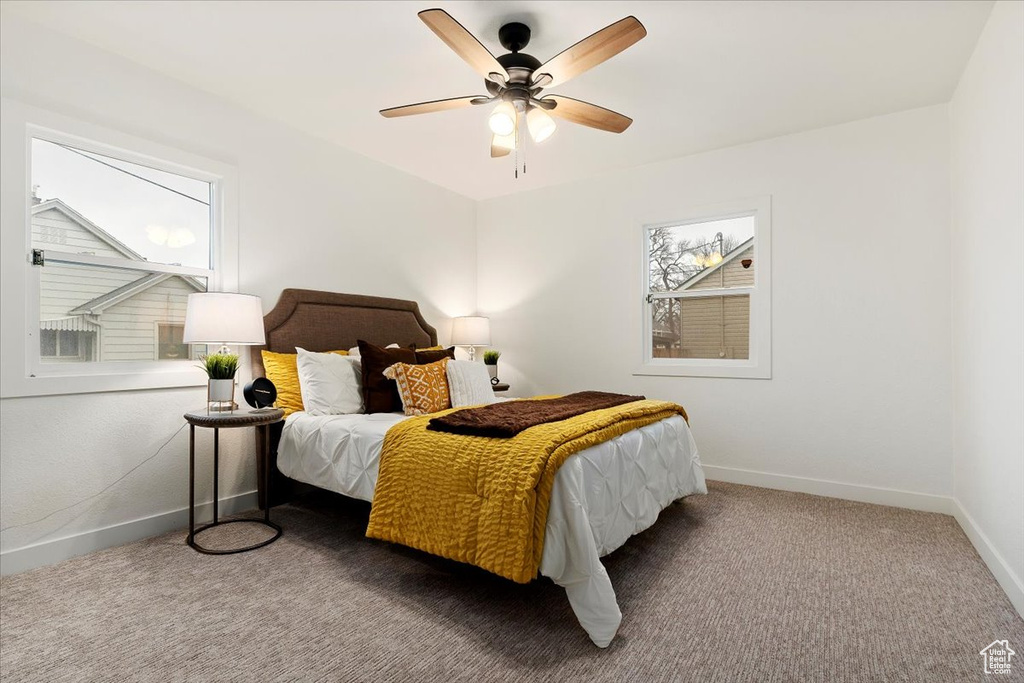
[503, 119]
[501, 145]
[540, 124]
[515, 80]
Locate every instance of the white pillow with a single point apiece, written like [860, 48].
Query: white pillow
[331, 384]
[469, 384]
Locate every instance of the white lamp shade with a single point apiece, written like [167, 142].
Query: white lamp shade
[224, 318]
[471, 330]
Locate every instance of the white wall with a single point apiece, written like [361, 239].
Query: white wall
[311, 215]
[860, 392]
[987, 151]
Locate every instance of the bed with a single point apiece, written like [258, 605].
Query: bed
[600, 497]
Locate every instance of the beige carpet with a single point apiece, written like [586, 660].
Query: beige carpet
[744, 584]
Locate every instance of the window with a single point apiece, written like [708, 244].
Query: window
[706, 293]
[118, 231]
[169, 342]
[65, 345]
[123, 245]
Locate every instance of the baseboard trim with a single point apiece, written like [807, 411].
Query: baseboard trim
[1005, 576]
[53, 551]
[832, 489]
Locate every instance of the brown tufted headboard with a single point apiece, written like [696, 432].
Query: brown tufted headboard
[326, 321]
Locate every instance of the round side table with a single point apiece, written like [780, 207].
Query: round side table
[261, 420]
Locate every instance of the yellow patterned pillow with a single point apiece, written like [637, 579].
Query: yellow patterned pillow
[282, 369]
[423, 388]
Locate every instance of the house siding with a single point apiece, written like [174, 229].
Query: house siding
[64, 288]
[127, 329]
[130, 327]
[53, 229]
[715, 326]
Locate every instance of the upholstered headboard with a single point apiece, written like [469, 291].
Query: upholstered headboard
[327, 321]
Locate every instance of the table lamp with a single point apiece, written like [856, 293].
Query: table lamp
[223, 318]
[471, 331]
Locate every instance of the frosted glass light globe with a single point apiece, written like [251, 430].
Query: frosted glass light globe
[503, 119]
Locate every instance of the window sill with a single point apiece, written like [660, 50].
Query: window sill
[710, 368]
[56, 385]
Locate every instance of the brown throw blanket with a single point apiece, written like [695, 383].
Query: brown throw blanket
[505, 420]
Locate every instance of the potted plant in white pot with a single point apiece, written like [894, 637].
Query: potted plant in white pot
[221, 369]
[491, 361]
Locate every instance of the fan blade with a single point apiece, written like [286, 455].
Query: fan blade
[591, 51]
[587, 114]
[432, 106]
[462, 42]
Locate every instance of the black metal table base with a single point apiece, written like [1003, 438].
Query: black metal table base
[210, 551]
[264, 454]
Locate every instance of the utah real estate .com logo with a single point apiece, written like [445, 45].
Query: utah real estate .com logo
[997, 657]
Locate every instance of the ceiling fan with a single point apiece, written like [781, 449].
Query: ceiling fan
[515, 80]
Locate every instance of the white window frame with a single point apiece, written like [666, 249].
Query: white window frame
[22, 372]
[759, 364]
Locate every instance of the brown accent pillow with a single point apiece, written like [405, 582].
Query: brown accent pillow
[433, 355]
[380, 394]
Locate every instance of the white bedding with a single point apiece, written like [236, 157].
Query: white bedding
[601, 496]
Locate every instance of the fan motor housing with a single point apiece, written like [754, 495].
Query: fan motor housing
[514, 36]
[519, 65]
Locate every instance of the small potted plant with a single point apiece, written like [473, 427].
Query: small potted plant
[491, 357]
[221, 369]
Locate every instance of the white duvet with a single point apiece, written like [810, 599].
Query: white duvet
[601, 496]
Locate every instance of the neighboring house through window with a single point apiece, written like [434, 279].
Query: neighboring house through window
[118, 231]
[114, 311]
[707, 293]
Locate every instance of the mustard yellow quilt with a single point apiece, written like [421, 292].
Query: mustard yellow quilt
[482, 500]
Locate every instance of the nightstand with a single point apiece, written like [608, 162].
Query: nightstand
[261, 420]
[500, 386]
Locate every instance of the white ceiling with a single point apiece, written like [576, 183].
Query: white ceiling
[708, 74]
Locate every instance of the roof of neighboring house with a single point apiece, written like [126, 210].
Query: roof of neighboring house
[105, 301]
[96, 306]
[101, 234]
[731, 256]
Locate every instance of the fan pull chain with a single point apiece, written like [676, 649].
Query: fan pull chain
[516, 156]
[524, 153]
